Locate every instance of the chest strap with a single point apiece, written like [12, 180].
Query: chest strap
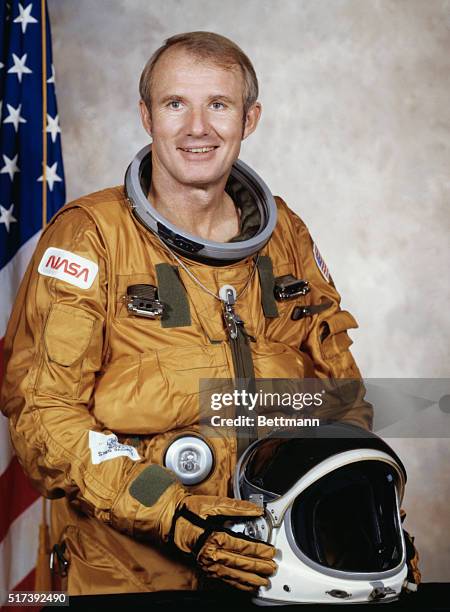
[172, 294]
[267, 282]
[244, 380]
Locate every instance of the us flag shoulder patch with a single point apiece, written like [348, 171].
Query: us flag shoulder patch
[321, 263]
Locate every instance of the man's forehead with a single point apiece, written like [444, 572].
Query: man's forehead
[179, 65]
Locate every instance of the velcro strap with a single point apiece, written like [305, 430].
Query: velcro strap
[172, 294]
[267, 282]
[151, 483]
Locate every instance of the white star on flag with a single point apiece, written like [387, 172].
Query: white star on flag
[14, 116]
[51, 176]
[52, 78]
[10, 166]
[1, 65]
[19, 67]
[25, 17]
[6, 216]
[53, 126]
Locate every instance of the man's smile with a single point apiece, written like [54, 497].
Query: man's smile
[198, 149]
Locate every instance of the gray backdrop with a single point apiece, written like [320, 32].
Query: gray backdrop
[354, 135]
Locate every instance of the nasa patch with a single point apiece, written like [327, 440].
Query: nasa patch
[320, 263]
[68, 267]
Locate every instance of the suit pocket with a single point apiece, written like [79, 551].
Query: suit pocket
[335, 344]
[73, 345]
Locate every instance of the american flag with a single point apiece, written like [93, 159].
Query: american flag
[31, 191]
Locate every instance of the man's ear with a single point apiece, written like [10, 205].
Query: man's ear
[251, 119]
[145, 117]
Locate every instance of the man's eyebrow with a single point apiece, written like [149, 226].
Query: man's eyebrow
[169, 98]
[217, 96]
[223, 97]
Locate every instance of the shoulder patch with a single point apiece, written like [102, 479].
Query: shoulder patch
[320, 263]
[68, 267]
[104, 447]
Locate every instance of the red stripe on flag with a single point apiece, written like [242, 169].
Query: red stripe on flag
[27, 584]
[16, 488]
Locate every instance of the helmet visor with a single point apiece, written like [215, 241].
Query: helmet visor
[349, 520]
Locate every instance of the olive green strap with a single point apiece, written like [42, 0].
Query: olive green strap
[242, 356]
[172, 294]
[244, 380]
[151, 483]
[267, 282]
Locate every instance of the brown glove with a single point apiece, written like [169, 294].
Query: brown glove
[414, 577]
[166, 512]
[198, 528]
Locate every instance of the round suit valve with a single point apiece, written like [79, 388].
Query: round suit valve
[190, 458]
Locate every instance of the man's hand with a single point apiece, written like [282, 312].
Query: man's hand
[198, 528]
[414, 577]
[195, 524]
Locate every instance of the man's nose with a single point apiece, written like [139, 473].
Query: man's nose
[198, 124]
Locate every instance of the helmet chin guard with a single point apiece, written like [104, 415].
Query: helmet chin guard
[194, 247]
[332, 510]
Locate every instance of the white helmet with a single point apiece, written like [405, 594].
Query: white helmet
[332, 497]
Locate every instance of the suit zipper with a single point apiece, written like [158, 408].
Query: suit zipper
[244, 373]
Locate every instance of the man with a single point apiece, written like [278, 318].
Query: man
[135, 294]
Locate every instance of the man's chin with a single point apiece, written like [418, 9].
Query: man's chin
[203, 180]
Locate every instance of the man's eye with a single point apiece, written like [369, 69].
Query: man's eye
[218, 105]
[175, 104]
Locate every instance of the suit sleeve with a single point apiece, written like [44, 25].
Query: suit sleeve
[54, 349]
[327, 341]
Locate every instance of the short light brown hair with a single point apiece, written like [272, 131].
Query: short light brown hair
[210, 47]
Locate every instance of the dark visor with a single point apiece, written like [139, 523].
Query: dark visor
[348, 520]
